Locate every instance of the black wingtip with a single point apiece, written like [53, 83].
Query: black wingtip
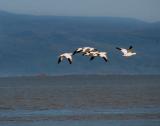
[95, 49]
[59, 61]
[74, 52]
[70, 62]
[105, 60]
[118, 48]
[130, 47]
[92, 58]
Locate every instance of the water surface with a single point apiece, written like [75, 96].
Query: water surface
[80, 100]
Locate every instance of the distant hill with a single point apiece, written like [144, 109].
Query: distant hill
[30, 45]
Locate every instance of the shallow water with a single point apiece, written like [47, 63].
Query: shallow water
[80, 101]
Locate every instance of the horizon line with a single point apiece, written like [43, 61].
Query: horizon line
[50, 15]
[69, 75]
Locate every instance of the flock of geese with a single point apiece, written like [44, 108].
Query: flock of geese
[93, 52]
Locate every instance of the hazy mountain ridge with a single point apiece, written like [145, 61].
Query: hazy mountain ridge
[31, 44]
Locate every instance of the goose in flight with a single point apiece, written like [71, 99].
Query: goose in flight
[97, 54]
[92, 54]
[67, 56]
[127, 52]
[84, 50]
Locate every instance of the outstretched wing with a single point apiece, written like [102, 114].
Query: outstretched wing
[130, 47]
[118, 48]
[59, 60]
[95, 49]
[92, 58]
[76, 51]
[87, 50]
[105, 59]
[69, 60]
[124, 51]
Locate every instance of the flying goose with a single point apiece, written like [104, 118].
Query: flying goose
[84, 50]
[127, 52]
[68, 56]
[97, 54]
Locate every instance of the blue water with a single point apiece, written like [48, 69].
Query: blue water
[80, 101]
[87, 123]
[74, 112]
[27, 117]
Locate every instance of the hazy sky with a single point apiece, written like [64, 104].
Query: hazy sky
[148, 10]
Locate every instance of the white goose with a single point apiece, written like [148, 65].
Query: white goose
[68, 56]
[127, 52]
[97, 54]
[92, 54]
[84, 50]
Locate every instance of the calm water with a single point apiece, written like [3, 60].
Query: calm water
[80, 101]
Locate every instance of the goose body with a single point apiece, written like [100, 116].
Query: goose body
[67, 56]
[84, 50]
[103, 55]
[97, 54]
[92, 54]
[127, 52]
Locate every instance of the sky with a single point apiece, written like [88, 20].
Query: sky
[147, 10]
